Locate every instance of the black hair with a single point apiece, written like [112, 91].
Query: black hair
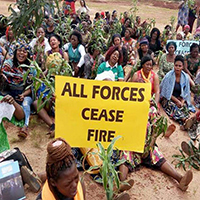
[171, 43]
[127, 20]
[144, 60]
[57, 37]
[116, 35]
[97, 14]
[168, 26]
[155, 30]
[193, 46]
[15, 61]
[179, 58]
[78, 35]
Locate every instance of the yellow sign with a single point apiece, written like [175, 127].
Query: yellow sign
[88, 112]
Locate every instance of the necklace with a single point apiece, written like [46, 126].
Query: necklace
[147, 80]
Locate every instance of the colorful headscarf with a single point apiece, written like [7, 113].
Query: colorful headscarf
[21, 43]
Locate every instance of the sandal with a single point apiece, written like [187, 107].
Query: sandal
[30, 178]
[23, 133]
[189, 122]
[185, 181]
[186, 148]
[51, 132]
[123, 196]
[127, 185]
[170, 130]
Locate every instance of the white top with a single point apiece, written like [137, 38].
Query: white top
[83, 10]
[46, 44]
[81, 50]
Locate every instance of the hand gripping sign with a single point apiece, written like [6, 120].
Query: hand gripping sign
[89, 111]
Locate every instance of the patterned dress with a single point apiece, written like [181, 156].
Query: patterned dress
[164, 66]
[183, 15]
[150, 157]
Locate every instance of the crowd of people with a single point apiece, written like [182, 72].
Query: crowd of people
[111, 49]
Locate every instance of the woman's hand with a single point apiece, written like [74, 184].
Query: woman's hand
[179, 103]
[21, 97]
[8, 99]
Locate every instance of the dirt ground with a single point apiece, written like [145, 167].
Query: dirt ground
[149, 184]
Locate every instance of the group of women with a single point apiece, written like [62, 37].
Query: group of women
[170, 88]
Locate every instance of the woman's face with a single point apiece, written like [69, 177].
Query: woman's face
[179, 36]
[155, 35]
[178, 66]
[21, 55]
[115, 14]
[40, 32]
[74, 41]
[127, 23]
[127, 34]
[68, 182]
[54, 42]
[114, 57]
[117, 41]
[10, 34]
[171, 49]
[82, 3]
[194, 53]
[144, 47]
[147, 66]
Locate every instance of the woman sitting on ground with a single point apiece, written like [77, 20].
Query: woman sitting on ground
[144, 49]
[112, 63]
[76, 53]
[154, 41]
[175, 93]
[56, 46]
[167, 60]
[130, 43]
[117, 41]
[15, 85]
[152, 157]
[127, 24]
[92, 60]
[63, 180]
[192, 61]
[147, 75]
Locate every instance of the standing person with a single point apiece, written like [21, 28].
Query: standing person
[192, 15]
[182, 14]
[83, 9]
[69, 7]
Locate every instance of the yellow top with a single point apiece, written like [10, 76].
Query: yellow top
[48, 195]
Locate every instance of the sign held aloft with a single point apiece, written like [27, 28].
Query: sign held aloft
[88, 112]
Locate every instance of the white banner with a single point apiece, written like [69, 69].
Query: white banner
[183, 47]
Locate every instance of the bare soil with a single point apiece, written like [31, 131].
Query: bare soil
[149, 184]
